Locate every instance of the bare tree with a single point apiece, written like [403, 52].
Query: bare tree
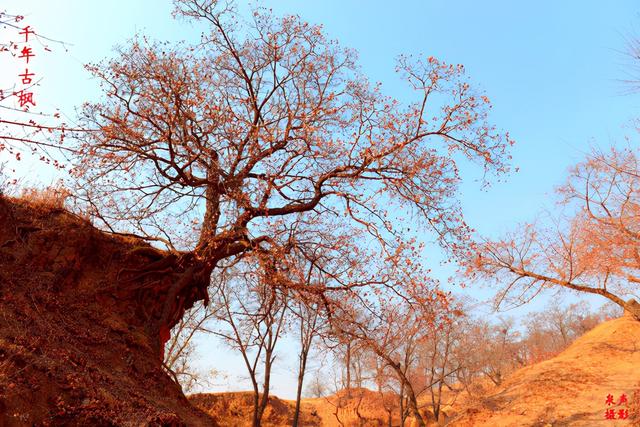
[385, 382]
[594, 250]
[317, 387]
[253, 312]
[179, 349]
[500, 349]
[439, 360]
[392, 329]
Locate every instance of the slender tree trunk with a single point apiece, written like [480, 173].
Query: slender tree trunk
[402, 415]
[379, 375]
[348, 366]
[255, 422]
[308, 322]
[411, 396]
[413, 404]
[264, 399]
[435, 402]
[303, 367]
[361, 419]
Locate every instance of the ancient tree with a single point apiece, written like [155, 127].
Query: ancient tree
[213, 150]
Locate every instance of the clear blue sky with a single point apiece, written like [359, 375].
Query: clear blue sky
[551, 68]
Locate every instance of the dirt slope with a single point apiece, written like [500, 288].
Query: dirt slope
[361, 407]
[570, 389]
[74, 347]
[235, 409]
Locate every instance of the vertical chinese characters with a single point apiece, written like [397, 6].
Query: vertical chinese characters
[26, 95]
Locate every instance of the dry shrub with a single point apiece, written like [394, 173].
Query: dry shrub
[51, 196]
[6, 183]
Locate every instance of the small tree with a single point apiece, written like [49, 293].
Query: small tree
[500, 344]
[385, 382]
[179, 349]
[392, 329]
[307, 313]
[439, 360]
[253, 313]
[317, 387]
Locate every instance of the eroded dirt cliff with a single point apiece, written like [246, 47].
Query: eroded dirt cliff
[76, 346]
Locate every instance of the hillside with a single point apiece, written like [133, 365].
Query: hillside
[358, 408]
[75, 345]
[361, 407]
[235, 409]
[570, 389]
